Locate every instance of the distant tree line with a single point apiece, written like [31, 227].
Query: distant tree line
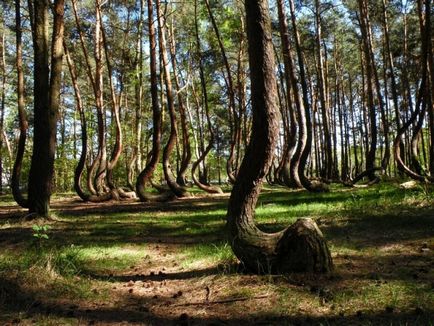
[118, 99]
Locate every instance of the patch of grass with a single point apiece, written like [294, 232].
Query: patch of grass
[116, 258]
[206, 255]
[6, 200]
[41, 275]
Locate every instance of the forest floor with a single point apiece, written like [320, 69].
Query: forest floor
[129, 263]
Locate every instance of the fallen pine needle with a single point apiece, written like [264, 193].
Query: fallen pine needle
[229, 300]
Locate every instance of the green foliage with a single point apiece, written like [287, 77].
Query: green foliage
[40, 231]
[67, 262]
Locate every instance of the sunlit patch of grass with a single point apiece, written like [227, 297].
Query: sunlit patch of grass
[195, 222]
[209, 255]
[101, 259]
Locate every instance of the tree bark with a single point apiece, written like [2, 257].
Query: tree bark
[178, 190]
[146, 174]
[78, 173]
[204, 151]
[117, 148]
[98, 170]
[181, 178]
[22, 116]
[291, 85]
[300, 247]
[3, 93]
[328, 166]
[46, 94]
[301, 155]
[422, 96]
[139, 93]
[235, 134]
[371, 151]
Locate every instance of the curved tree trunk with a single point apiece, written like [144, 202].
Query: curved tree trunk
[300, 247]
[79, 105]
[117, 149]
[291, 84]
[97, 169]
[178, 190]
[301, 155]
[100, 164]
[146, 174]
[421, 96]
[181, 178]
[22, 118]
[415, 140]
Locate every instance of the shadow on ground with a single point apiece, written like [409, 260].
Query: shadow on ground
[137, 310]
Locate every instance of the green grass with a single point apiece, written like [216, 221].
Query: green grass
[7, 200]
[219, 254]
[375, 235]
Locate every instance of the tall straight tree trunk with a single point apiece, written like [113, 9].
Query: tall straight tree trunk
[406, 90]
[231, 94]
[430, 86]
[391, 68]
[139, 91]
[371, 151]
[205, 104]
[2, 92]
[300, 247]
[241, 92]
[46, 94]
[380, 101]
[181, 178]
[328, 168]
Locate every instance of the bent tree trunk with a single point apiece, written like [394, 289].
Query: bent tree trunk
[178, 190]
[78, 173]
[146, 174]
[22, 117]
[301, 247]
